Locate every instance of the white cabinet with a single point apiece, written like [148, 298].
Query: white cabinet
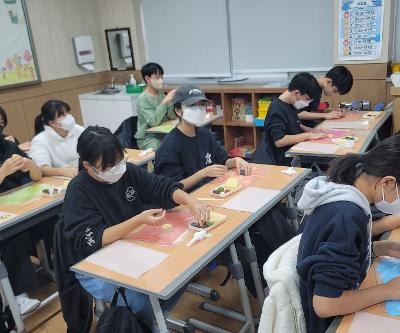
[107, 110]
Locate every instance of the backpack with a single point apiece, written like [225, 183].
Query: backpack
[120, 319]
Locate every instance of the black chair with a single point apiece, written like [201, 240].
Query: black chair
[126, 133]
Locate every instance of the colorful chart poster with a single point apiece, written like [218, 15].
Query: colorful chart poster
[360, 29]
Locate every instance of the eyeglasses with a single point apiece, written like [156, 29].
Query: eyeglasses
[113, 169]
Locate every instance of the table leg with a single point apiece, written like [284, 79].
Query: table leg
[162, 325]
[10, 298]
[252, 259]
[242, 289]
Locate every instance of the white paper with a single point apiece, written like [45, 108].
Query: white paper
[364, 322]
[251, 199]
[364, 124]
[127, 258]
[328, 148]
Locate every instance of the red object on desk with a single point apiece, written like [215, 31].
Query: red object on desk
[323, 106]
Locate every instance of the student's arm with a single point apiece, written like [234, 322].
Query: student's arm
[34, 171]
[160, 190]
[290, 140]
[63, 172]
[11, 165]
[334, 114]
[386, 223]
[124, 229]
[211, 171]
[41, 156]
[355, 300]
[154, 116]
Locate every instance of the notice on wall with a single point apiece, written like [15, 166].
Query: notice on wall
[360, 29]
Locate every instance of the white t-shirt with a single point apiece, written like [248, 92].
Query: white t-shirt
[51, 149]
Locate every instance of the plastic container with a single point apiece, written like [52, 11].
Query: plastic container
[262, 113]
[135, 89]
[395, 77]
[259, 122]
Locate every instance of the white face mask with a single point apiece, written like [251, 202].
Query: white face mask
[112, 175]
[391, 208]
[157, 84]
[301, 104]
[194, 115]
[68, 123]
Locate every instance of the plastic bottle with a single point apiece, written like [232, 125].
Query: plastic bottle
[132, 80]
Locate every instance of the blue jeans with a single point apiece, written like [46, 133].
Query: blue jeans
[138, 302]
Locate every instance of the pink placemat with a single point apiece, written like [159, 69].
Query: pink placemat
[156, 234]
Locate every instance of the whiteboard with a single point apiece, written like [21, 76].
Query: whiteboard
[281, 35]
[188, 38]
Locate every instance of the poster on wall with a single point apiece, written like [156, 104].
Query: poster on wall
[360, 29]
[18, 64]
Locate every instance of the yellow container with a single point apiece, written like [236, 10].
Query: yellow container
[262, 113]
[395, 67]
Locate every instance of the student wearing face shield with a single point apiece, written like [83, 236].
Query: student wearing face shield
[190, 154]
[282, 127]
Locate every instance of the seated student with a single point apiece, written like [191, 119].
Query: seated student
[282, 128]
[153, 106]
[3, 125]
[54, 146]
[337, 81]
[104, 203]
[16, 169]
[335, 248]
[190, 154]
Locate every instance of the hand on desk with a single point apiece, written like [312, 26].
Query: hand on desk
[335, 114]
[241, 164]
[151, 216]
[214, 171]
[200, 211]
[316, 135]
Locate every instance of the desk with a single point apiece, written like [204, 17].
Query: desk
[169, 125]
[133, 156]
[31, 213]
[343, 324]
[365, 137]
[27, 216]
[183, 263]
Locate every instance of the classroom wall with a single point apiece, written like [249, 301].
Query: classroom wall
[120, 14]
[53, 24]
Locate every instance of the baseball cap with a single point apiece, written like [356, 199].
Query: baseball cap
[188, 95]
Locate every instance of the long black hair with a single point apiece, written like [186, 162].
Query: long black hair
[382, 160]
[50, 110]
[97, 143]
[3, 116]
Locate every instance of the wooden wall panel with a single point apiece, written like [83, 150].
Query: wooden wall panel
[16, 120]
[371, 90]
[23, 104]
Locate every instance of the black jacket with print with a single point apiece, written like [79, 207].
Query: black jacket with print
[180, 156]
[91, 206]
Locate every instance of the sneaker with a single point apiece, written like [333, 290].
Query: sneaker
[27, 304]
